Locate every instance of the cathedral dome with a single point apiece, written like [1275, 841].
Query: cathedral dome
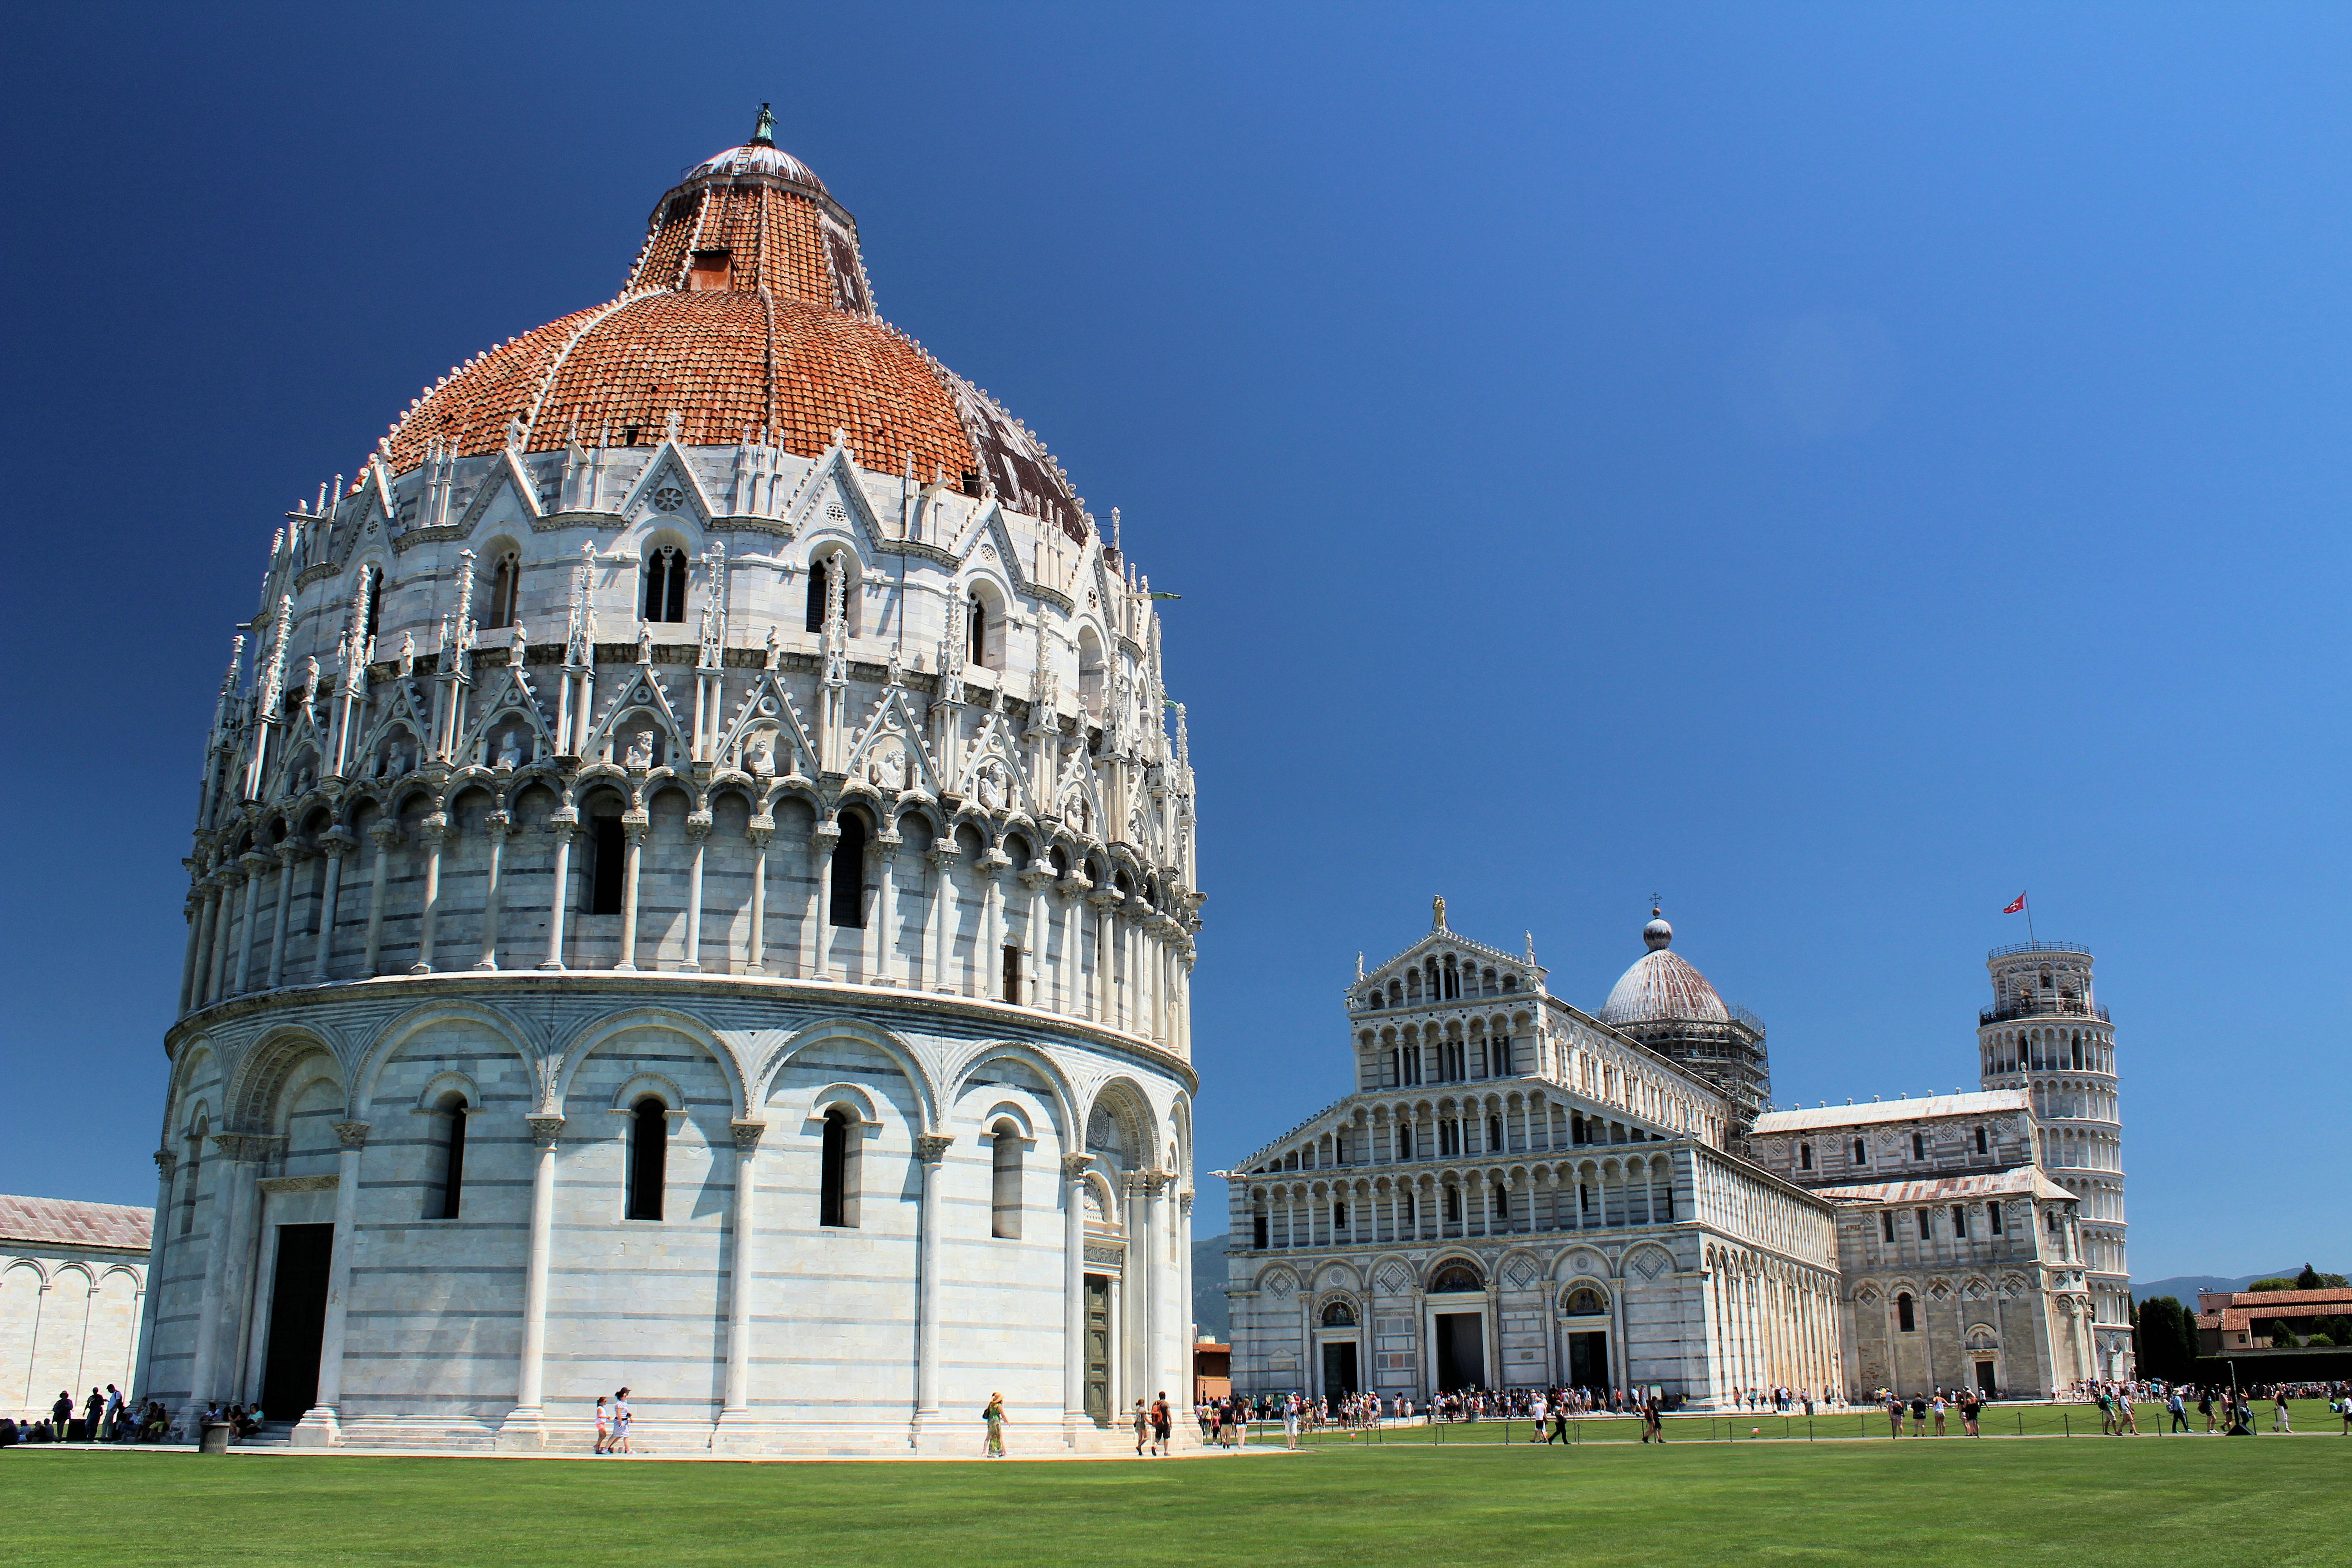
[1663, 986]
[748, 316]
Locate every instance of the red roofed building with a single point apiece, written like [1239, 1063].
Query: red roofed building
[2231, 1323]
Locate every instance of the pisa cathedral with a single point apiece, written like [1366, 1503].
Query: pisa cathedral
[1515, 1193]
[694, 887]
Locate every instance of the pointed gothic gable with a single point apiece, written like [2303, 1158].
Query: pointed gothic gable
[669, 487]
[889, 752]
[507, 483]
[376, 482]
[1079, 802]
[768, 705]
[641, 692]
[834, 496]
[505, 698]
[994, 756]
[300, 736]
[405, 714]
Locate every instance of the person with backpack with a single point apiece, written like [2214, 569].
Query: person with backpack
[1162, 1427]
[993, 1414]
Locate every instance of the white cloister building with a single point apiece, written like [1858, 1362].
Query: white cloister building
[695, 890]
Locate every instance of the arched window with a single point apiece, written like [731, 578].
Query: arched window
[374, 590]
[1980, 1141]
[1258, 1231]
[1586, 1302]
[1456, 1277]
[836, 1183]
[1339, 1315]
[1918, 1146]
[819, 572]
[975, 621]
[448, 1157]
[1905, 1320]
[664, 597]
[648, 1157]
[1804, 1156]
[848, 889]
[1453, 1203]
[1494, 1133]
[506, 591]
[1502, 1203]
[1090, 682]
[1005, 1190]
[1861, 1152]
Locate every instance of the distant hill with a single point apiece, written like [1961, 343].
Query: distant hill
[1209, 1314]
[2184, 1287]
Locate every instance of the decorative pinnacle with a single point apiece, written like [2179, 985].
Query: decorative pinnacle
[764, 134]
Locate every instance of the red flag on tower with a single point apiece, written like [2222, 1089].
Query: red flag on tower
[2015, 907]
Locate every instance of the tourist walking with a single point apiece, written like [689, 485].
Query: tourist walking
[603, 1427]
[2282, 1421]
[1918, 1416]
[1970, 1406]
[2179, 1409]
[993, 1414]
[113, 1415]
[621, 1419]
[1142, 1427]
[2205, 1408]
[1290, 1422]
[1938, 1408]
[1162, 1427]
[1653, 1425]
[1895, 1415]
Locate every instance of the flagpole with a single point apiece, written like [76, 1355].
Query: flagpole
[2029, 920]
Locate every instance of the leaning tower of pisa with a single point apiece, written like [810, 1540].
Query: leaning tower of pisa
[2046, 1033]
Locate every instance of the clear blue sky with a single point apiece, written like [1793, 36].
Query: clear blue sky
[1830, 466]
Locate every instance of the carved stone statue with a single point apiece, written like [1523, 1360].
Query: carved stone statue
[989, 789]
[775, 648]
[761, 762]
[641, 752]
[407, 655]
[517, 647]
[511, 752]
[645, 644]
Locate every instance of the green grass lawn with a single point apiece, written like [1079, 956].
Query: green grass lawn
[2212, 1503]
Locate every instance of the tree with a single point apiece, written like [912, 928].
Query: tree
[2165, 1337]
[2276, 1282]
[2313, 1280]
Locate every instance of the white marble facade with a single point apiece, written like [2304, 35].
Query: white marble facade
[876, 815]
[73, 1281]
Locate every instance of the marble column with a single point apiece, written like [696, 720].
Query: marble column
[990, 962]
[231, 876]
[1074, 1289]
[930, 1149]
[198, 981]
[634, 832]
[756, 948]
[386, 835]
[322, 1424]
[559, 889]
[884, 970]
[940, 919]
[821, 846]
[228, 1241]
[289, 855]
[741, 1266]
[526, 1424]
[494, 889]
[698, 834]
[253, 863]
[336, 844]
[159, 1234]
[1106, 901]
[435, 831]
[1073, 934]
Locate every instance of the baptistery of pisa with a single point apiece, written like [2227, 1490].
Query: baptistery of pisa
[693, 889]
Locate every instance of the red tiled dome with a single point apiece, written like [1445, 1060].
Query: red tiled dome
[748, 311]
[1662, 986]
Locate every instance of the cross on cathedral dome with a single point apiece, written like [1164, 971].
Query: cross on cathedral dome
[747, 318]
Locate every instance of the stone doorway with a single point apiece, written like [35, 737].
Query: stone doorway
[1098, 1349]
[1339, 1368]
[1988, 1380]
[1588, 1359]
[1461, 1351]
[298, 1321]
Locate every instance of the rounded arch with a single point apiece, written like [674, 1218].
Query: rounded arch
[1063, 1093]
[257, 1086]
[642, 1086]
[1455, 1271]
[583, 1046]
[515, 1036]
[926, 1092]
[1121, 1126]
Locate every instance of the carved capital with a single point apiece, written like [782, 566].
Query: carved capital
[353, 1133]
[166, 1163]
[545, 1131]
[1075, 1165]
[747, 1134]
[930, 1148]
[386, 833]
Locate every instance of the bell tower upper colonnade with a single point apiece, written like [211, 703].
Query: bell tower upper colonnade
[709, 747]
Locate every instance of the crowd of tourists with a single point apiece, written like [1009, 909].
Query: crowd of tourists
[106, 1417]
[2229, 1411]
